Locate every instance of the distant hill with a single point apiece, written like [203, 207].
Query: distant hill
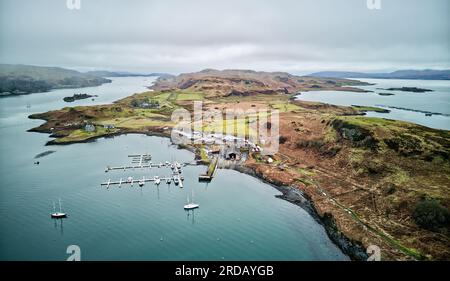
[426, 74]
[27, 79]
[104, 73]
[237, 82]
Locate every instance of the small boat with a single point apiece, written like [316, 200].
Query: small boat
[176, 180]
[129, 179]
[191, 205]
[142, 182]
[60, 214]
[168, 180]
[157, 180]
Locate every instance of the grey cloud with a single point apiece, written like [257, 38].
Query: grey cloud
[187, 35]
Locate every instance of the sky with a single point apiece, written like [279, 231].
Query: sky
[175, 36]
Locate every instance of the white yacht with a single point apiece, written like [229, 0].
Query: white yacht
[157, 180]
[60, 214]
[191, 205]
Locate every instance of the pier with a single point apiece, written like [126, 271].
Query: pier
[150, 165]
[141, 161]
[132, 181]
[208, 176]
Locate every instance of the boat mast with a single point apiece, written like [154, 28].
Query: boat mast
[60, 209]
[54, 207]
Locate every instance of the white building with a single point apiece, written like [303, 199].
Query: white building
[89, 128]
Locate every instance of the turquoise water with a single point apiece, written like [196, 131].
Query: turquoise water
[437, 101]
[239, 216]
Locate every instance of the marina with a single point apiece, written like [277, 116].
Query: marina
[144, 161]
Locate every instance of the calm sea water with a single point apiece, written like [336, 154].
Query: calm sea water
[437, 101]
[239, 217]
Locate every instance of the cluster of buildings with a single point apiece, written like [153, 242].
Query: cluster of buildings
[90, 128]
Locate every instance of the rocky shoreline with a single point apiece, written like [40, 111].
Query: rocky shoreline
[106, 135]
[353, 249]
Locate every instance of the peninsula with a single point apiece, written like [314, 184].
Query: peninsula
[27, 79]
[371, 181]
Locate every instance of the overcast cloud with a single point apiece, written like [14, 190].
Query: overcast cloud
[297, 36]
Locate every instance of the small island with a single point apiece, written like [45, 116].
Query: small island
[45, 153]
[410, 89]
[78, 97]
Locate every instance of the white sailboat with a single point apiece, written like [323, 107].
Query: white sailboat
[157, 180]
[191, 205]
[60, 214]
[181, 184]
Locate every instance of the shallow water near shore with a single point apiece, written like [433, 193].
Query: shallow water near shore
[437, 101]
[239, 216]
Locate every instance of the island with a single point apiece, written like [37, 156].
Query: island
[43, 154]
[78, 97]
[370, 181]
[410, 89]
